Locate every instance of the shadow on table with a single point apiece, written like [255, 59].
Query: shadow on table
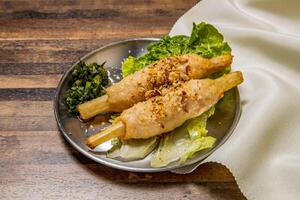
[207, 172]
[211, 179]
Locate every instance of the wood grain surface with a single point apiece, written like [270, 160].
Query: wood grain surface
[39, 40]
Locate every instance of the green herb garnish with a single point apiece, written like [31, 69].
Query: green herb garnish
[88, 82]
[205, 40]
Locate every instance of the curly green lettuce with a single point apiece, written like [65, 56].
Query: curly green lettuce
[197, 126]
[205, 40]
[184, 142]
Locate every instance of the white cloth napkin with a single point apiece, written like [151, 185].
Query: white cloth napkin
[264, 151]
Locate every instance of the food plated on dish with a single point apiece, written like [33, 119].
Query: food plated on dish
[164, 101]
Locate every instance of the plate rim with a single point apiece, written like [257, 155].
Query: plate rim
[130, 168]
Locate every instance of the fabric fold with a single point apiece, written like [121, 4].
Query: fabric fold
[264, 151]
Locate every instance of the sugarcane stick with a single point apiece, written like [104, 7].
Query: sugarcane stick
[162, 114]
[113, 131]
[94, 107]
[135, 88]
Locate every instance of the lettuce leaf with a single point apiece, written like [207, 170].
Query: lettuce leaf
[184, 142]
[165, 47]
[171, 147]
[130, 66]
[197, 126]
[134, 149]
[130, 150]
[197, 145]
[205, 40]
[168, 46]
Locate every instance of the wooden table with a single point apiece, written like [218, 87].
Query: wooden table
[39, 40]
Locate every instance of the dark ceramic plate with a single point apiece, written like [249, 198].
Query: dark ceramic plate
[220, 125]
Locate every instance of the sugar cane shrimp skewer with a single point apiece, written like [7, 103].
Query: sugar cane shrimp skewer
[139, 86]
[162, 114]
